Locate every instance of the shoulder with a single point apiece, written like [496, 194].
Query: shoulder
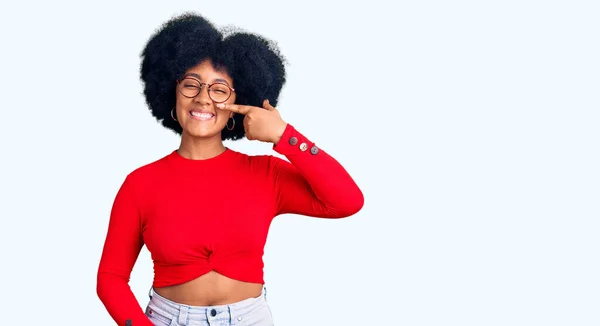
[261, 163]
[145, 173]
[267, 161]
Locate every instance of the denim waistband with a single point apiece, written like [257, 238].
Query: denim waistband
[168, 309]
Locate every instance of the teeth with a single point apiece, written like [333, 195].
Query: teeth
[202, 115]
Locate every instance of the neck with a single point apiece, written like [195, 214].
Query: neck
[200, 148]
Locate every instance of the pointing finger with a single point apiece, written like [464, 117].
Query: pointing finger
[242, 109]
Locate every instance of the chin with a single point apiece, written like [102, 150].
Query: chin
[204, 134]
[202, 129]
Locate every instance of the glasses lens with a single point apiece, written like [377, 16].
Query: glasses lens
[189, 87]
[219, 92]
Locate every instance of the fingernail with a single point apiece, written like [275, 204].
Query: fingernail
[220, 105]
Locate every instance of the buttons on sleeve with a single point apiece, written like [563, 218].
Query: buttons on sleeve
[303, 146]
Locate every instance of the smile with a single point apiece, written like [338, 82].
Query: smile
[202, 116]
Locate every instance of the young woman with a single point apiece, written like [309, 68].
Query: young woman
[204, 210]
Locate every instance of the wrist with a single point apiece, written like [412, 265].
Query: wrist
[279, 133]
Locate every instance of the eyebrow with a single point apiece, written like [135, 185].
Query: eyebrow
[200, 78]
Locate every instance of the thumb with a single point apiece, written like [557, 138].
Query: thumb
[268, 105]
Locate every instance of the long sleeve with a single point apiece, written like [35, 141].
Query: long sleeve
[312, 183]
[121, 250]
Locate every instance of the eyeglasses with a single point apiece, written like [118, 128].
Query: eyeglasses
[191, 87]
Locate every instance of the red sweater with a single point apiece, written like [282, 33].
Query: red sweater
[195, 216]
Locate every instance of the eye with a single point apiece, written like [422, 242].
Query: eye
[219, 89]
[190, 83]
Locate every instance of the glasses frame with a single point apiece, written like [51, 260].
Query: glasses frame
[208, 86]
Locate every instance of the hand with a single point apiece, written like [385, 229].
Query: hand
[263, 124]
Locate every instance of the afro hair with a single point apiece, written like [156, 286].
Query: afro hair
[254, 63]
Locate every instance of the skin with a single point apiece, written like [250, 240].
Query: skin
[202, 140]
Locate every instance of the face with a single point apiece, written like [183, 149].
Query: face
[198, 115]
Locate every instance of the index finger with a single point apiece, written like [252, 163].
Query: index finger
[242, 109]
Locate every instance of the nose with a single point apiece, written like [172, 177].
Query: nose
[203, 96]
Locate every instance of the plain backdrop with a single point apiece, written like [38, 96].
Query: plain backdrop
[472, 128]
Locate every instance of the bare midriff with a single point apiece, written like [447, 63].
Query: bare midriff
[210, 289]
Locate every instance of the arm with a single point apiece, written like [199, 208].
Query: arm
[313, 183]
[121, 249]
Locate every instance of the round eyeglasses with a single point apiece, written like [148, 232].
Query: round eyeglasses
[191, 87]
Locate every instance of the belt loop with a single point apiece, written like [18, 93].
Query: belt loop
[183, 314]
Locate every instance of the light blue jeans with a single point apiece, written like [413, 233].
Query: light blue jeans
[249, 312]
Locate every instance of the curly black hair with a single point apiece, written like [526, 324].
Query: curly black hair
[253, 62]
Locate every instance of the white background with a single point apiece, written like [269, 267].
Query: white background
[471, 127]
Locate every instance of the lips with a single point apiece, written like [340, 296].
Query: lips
[202, 115]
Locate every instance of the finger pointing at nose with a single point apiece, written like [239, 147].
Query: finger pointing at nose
[242, 109]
